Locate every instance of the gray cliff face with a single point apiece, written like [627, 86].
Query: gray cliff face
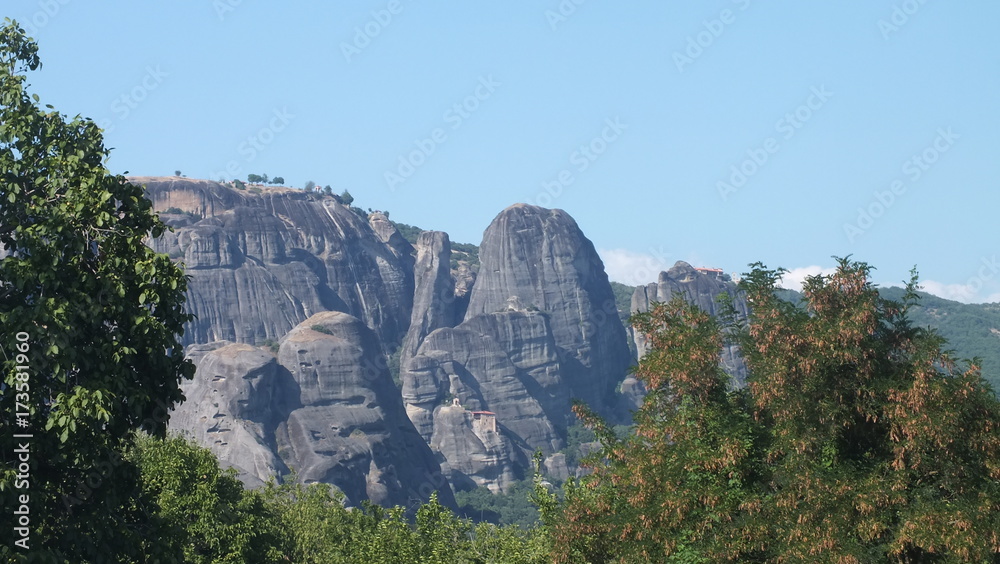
[262, 263]
[232, 408]
[534, 337]
[350, 428]
[702, 288]
[479, 365]
[479, 455]
[326, 407]
[541, 258]
[434, 297]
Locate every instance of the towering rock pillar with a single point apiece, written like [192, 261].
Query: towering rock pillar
[541, 258]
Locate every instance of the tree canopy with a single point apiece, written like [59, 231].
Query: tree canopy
[91, 319]
[859, 439]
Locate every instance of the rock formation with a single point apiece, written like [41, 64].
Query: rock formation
[701, 287]
[325, 407]
[541, 257]
[536, 334]
[260, 263]
[489, 362]
[434, 297]
[233, 406]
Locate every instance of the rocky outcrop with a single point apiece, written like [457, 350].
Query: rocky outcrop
[537, 334]
[325, 407]
[434, 297]
[479, 454]
[260, 263]
[701, 287]
[233, 407]
[540, 257]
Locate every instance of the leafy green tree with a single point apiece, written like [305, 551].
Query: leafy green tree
[264, 179]
[859, 439]
[278, 180]
[255, 178]
[510, 508]
[202, 510]
[346, 198]
[91, 318]
[177, 173]
[310, 186]
[328, 190]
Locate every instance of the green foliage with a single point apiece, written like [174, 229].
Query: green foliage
[346, 198]
[278, 180]
[623, 302]
[857, 440]
[100, 314]
[178, 211]
[239, 184]
[310, 186]
[623, 299]
[177, 173]
[321, 530]
[255, 178]
[393, 362]
[203, 512]
[361, 213]
[972, 330]
[467, 252]
[409, 232]
[511, 508]
[576, 435]
[271, 344]
[328, 190]
[322, 329]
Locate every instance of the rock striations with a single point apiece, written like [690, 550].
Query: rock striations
[260, 263]
[540, 329]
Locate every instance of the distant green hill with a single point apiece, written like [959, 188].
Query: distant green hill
[972, 330]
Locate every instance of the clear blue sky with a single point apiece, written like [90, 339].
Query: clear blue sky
[490, 102]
